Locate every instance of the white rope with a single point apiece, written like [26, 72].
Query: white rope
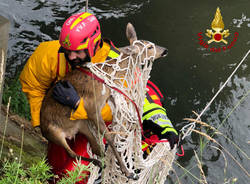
[130, 75]
[86, 6]
[187, 129]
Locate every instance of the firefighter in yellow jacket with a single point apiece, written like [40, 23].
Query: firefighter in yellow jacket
[79, 42]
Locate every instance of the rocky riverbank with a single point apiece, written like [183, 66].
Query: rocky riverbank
[20, 132]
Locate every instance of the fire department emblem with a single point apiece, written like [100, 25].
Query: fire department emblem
[217, 33]
[66, 42]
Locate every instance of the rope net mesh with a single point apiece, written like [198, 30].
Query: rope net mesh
[129, 74]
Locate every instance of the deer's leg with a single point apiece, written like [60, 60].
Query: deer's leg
[93, 109]
[57, 136]
[96, 148]
[103, 130]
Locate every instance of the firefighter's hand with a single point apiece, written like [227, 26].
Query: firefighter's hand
[168, 133]
[172, 138]
[66, 94]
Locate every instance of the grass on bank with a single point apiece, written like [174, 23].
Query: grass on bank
[12, 171]
[19, 103]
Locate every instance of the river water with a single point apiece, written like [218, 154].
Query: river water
[189, 76]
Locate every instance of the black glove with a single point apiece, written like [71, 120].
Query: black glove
[65, 94]
[172, 138]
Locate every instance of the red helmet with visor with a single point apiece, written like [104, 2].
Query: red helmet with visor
[81, 31]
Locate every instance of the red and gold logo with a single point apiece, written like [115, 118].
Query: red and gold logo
[217, 27]
[217, 34]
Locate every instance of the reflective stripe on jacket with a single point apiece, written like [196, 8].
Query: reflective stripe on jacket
[153, 110]
[41, 70]
[155, 113]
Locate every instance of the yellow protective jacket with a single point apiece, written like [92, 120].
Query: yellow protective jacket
[47, 65]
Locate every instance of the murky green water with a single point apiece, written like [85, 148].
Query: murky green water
[189, 77]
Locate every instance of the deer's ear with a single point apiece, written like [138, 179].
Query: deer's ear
[131, 34]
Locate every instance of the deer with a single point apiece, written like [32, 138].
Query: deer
[55, 123]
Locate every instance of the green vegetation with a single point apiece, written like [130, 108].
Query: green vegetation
[19, 103]
[77, 175]
[13, 171]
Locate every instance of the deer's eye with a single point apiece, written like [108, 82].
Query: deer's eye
[150, 47]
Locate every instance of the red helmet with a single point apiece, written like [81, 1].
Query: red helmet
[81, 31]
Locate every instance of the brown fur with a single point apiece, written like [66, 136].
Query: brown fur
[55, 123]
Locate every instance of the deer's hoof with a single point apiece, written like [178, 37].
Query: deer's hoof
[133, 176]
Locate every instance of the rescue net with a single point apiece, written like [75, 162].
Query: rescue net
[129, 73]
